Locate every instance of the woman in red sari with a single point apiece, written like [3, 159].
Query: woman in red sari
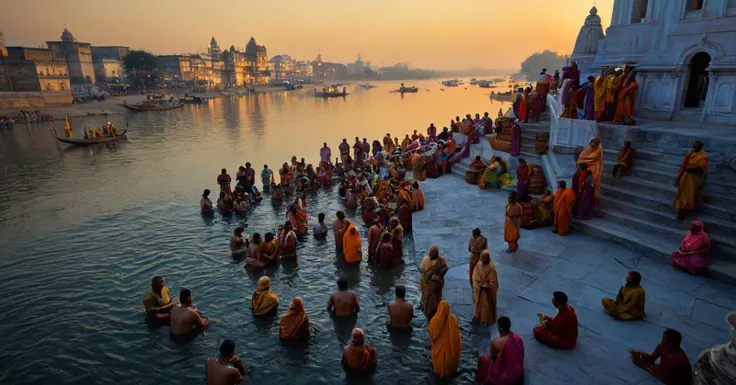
[694, 254]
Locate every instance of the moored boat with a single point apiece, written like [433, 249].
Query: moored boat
[451, 83]
[83, 142]
[330, 92]
[473, 81]
[145, 106]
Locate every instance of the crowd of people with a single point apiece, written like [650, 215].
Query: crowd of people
[372, 178]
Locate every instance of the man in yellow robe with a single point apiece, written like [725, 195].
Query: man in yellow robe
[485, 289]
[629, 302]
[599, 90]
[690, 178]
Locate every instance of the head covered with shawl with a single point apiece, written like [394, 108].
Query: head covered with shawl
[295, 324]
[357, 355]
[696, 238]
[444, 333]
[264, 301]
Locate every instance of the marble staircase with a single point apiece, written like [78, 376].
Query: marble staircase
[637, 209]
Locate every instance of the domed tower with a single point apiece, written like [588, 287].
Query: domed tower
[586, 45]
[214, 49]
[67, 36]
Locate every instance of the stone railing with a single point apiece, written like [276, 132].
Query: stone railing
[567, 134]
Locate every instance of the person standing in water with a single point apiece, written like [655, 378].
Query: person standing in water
[218, 370]
[185, 318]
[205, 204]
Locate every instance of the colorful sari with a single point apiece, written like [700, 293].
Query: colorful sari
[508, 369]
[599, 98]
[523, 174]
[626, 103]
[444, 332]
[694, 254]
[433, 280]
[584, 203]
[612, 89]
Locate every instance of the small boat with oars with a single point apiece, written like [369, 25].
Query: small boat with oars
[406, 90]
[106, 134]
[156, 102]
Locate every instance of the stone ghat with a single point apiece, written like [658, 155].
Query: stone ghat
[586, 268]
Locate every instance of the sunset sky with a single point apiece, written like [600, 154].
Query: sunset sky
[433, 34]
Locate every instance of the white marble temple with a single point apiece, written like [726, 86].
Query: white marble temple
[685, 54]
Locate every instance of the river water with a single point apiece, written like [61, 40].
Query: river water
[83, 230]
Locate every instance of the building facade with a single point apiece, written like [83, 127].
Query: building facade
[108, 63]
[257, 63]
[33, 70]
[78, 57]
[283, 67]
[684, 53]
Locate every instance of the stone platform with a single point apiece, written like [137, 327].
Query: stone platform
[586, 268]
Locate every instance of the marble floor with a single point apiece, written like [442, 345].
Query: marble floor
[584, 267]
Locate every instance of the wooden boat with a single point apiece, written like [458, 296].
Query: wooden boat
[193, 100]
[366, 86]
[85, 142]
[153, 106]
[411, 90]
[330, 93]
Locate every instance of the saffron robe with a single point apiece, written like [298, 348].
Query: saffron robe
[564, 203]
[294, 325]
[689, 184]
[444, 333]
[512, 225]
[485, 298]
[628, 305]
[593, 157]
[351, 246]
[263, 301]
[432, 288]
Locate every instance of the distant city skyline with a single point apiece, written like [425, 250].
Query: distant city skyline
[431, 34]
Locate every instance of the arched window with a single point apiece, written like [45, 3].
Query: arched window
[697, 86]
[694, 5]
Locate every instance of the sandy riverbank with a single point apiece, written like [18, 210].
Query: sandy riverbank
[114, 105]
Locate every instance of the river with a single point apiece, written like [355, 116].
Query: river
[83, 230]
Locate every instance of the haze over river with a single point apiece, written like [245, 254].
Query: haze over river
[83, 230]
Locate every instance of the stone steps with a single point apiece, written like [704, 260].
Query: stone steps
[655, 247]
[713, 225]
[668, 191]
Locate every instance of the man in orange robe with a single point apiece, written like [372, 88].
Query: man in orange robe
[512, 225]
[357, 355]
[295, 324]
[690, 178]
[560, 331]
[564, 203]
[352, 249]
[613, 87]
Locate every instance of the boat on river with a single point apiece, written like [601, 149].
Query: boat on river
[451, 83]
[473, 82]
[330, 92]
[189, 99]
[85, 142]
[155, 102]
[366, 86]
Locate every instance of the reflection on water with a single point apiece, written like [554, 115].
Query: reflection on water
[82, 231]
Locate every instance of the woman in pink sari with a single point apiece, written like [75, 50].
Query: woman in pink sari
[505, 363]
[694, 254]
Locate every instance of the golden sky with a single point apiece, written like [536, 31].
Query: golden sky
[433, 34]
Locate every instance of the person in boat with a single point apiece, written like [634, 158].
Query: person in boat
[400, 312]
[185, 318]
[157, 301]
[205, 204]
[224, 203]
[264, 302]
[224, 180]
[344, 148]
[105, 132]
[238, 244]
[99, 133]
[287, 241]
[325, 154]
[254, 259]
[343, 302]
[358, 356]
[91, 134]
[294, 325]
[218, 370]
[505, 362]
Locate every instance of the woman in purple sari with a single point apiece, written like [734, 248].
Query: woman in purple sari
[584, 204]
[588, 89]
[516, 139]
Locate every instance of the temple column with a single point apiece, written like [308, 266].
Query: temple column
[718, 365]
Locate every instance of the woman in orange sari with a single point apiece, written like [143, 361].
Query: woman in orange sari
[689, 180]
[433, 267]
[444, 333]
[599, 92]
[295, 324]
[352, 249]
[357, 355]
[626, 102]
[512, 225]
[593, 157]
[285, 175]
[264, 302]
